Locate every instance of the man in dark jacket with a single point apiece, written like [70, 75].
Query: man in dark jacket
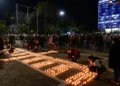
[114, 62]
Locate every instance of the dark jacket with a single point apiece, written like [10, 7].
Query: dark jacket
[1, 43]
[114, 55]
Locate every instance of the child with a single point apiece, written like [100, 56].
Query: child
[96, 66]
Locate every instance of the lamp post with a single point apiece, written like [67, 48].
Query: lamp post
[28, 7]
[62, 13]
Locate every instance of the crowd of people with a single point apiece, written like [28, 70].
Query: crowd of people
[113, 62]
[96, 41]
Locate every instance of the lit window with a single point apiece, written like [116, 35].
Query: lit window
[110, 2]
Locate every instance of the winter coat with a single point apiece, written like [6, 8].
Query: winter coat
[114, 56]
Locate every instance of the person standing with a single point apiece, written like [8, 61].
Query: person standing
[1, 45]
[114, 63]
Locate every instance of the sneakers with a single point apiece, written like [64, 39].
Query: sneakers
[113, 81]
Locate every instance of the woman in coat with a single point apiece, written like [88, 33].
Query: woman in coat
[114, 62]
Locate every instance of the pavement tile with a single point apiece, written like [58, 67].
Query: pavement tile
[24, 76]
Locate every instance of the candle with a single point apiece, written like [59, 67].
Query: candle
[80, 78]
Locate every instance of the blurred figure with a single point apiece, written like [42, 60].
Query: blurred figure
[52, 42]
[73, 54]
[1, 45]
[6, 48]
[114, 63]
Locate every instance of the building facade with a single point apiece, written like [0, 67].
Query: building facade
[109, 15]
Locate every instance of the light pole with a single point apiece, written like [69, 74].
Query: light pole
[12, 18]
[28, 7]
[62, 13]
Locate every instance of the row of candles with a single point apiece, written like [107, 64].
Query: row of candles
[29, 60]
[52, 71]
[80, 78]
[52, 51]
[18, 54]
[42, 64]
[57, 70]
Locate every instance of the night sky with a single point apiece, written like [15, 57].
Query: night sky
[84, 11]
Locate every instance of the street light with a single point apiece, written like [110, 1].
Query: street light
[28, 7]
[62, 13]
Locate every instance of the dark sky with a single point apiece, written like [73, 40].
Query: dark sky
[84, 11]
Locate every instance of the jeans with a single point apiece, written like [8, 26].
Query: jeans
[116, 74]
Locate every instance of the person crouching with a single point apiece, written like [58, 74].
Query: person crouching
[95, 65]
[73, 54]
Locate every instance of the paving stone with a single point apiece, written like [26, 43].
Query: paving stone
[17, 74]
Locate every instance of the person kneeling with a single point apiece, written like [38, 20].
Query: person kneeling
[73, 54]
[96, 66]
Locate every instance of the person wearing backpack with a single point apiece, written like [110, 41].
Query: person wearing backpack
[95, 65]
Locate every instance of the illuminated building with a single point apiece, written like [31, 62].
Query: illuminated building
[109, 15]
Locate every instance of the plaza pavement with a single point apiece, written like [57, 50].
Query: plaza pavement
[16, 73]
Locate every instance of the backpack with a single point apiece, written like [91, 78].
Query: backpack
[103, 68]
